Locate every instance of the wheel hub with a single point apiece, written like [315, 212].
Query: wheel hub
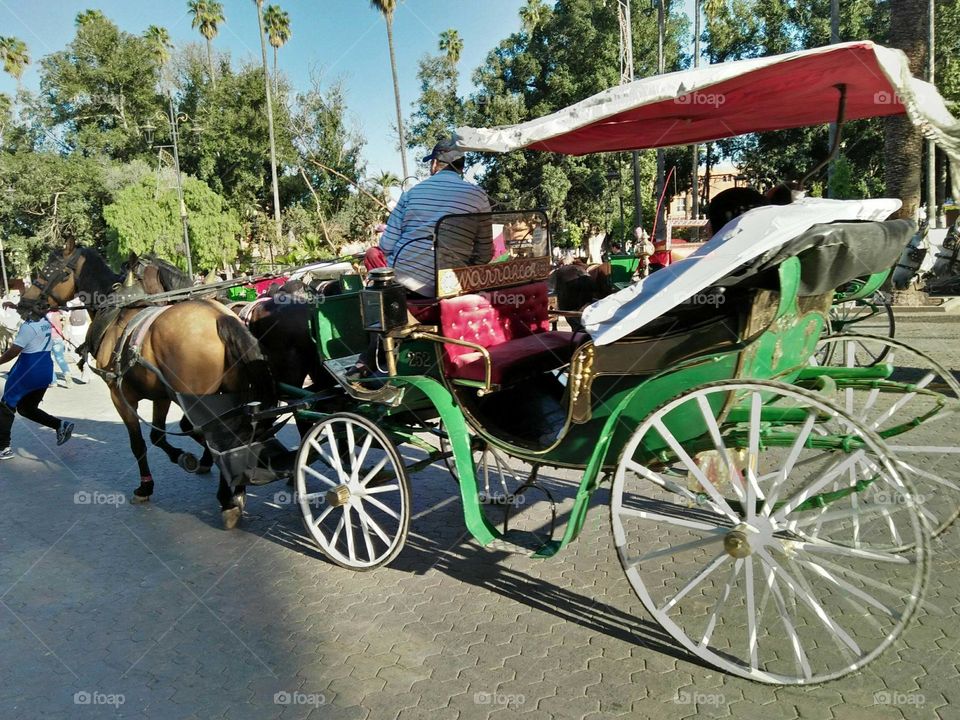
[737, 544]
[340, 495]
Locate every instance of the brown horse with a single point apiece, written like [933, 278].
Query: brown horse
[193, 348]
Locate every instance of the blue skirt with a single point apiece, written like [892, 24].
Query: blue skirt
[31, 372]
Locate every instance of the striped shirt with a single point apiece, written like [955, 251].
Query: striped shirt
[408, 240]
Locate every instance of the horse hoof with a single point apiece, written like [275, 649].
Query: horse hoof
[139, 499]
[204, 469]
[189, 462]
[231, 516]
[240, 501]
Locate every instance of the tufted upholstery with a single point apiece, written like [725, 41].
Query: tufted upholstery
[512, 324]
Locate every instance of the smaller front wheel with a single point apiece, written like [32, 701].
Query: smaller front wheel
[353, 491]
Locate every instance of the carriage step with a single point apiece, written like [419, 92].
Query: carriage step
[371, 389]
[520, 542]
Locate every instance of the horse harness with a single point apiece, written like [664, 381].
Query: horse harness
[126, 352]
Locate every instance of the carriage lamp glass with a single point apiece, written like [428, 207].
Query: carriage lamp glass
[383, 305]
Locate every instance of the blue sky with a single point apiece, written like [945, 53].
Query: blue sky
[341, 38]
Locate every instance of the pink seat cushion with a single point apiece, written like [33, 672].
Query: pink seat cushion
[513, 360]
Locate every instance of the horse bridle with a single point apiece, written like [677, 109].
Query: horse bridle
[56, 272]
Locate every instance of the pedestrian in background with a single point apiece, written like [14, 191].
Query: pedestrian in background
[78, 323]
[59, 349]
[28, 381]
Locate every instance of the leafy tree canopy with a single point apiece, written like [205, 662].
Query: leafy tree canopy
[145, 218]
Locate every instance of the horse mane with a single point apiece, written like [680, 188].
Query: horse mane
[95, 275]
[169, 275]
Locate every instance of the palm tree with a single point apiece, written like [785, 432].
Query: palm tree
[532, 14]
[277, 23]
[278, 228]
[13, 52]
[386, 8]
[384, 182]
[901, 140]
[452, 44]
[158, 39]
[207, 16]
[88, 16]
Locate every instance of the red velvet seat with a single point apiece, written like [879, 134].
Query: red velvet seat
[512, 324]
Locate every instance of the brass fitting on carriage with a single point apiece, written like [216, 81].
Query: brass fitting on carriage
[383, 308]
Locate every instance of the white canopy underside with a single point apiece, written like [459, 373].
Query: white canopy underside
[740, 241]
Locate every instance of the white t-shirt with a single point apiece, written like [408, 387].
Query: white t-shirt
[34, 336]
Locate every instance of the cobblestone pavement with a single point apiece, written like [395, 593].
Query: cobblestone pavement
[157, 607]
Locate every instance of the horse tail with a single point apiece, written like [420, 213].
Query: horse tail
[243, 353]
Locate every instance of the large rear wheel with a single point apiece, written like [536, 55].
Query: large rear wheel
[717, 516]
[912, 402]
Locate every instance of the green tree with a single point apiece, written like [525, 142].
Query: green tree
[100, 89]
[207, 16]
[227, 152]
[15, 57]
[145, 218]
[561, 56]
[277, 24]
[439, 109]
[384, 182]
[452, 45]
[387, 8]
[158, 39]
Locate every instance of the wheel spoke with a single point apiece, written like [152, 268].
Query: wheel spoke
[815, 487]
[351, 447]
[851, 590]
[718, 499]
[788, 464]
[721, 602]
[376, 469]
[389, 511]
[697, 579]
[319, 476]
[374, 525]
[365, 531]
[676, 549]
[859, 553]
[665, 483]
[380, 489]
[672, 519]
[751, 612]
[351, 550]
[800, 656]
[322, 516]
[711, 422]
[837, 632]
[334, 456]
[753, 457]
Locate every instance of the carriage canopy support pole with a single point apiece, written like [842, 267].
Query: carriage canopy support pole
[841, 112]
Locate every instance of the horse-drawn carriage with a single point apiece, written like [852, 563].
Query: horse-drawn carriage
[771, 506]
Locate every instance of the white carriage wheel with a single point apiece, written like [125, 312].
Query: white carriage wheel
[716, 535]
[353, 491]
[914, 422]
[497, 479]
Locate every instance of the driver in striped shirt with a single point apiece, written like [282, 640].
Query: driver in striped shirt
[408, 243]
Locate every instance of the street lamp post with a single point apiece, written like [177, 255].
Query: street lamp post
[183, 207]
[175, 118]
